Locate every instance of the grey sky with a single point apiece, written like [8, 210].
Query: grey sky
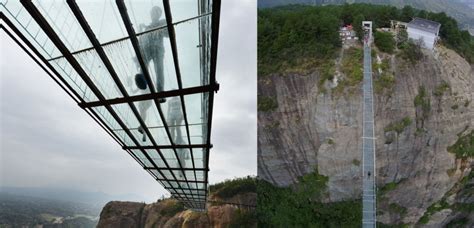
[48, 141]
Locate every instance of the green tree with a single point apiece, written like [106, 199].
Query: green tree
[402, 37]
[384, 41]
[358, 25]
[407, 13]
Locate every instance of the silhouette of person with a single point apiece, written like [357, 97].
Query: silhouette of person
[151, 45]
[369, 174]
[175, 118]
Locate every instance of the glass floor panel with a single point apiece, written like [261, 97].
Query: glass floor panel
[147, 84]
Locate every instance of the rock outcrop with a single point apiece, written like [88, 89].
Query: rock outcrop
[169, 213]
[314, 129]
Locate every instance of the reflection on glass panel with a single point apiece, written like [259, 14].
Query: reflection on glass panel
[170, 158]
[167, 174]
[104, 19]
[178, 174]
[149, 114]
[22, 20]
[185, 9]
[189, 175]
[157, 54]
[196, 134]
[148, 18]
[156, 158]
[157, 174]
[142, 158]
[200, 186]
[189, 53]
[73, 79]
[131, 122]
[123, 59]
[197, 108]
[173, 112]
[199, 175]
[198, 154]
[58, 14]
[96, 71]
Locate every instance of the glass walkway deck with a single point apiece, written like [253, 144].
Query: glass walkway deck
[369, 216]
[143, 70]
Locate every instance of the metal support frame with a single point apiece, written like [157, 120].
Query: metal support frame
[169, 146]
[131, 32]
[207, 88]
[67, 88]
[38, 17]
[100, 51]
[184, 169]
[174, 50]
[216, 9]
[142, 97]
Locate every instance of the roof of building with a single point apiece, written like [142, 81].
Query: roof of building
[425, 25]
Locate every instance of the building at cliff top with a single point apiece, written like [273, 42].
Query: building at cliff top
[424, 30]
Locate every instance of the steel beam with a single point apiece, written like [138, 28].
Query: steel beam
[150, 96]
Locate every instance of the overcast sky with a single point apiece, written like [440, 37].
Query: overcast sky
[48, 141]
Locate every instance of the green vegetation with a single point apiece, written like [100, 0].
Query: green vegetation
[438, 206]
[244, 218]
[356, 162]
[466, 207]
[298, 36]
[441, 89]
[266, 104]
[458, 223]
[462, 185]
[419, 131]
[388, 187]
[393, 207]
[385, 82]
[330, 141]
[172, 208]
[291, 36]
[464, 146]
[300, 206]
[398, 126]
[327, 73]
[423, 101]
[384, 41]
[411, 51]
[382, 225]
[451, 36]
[352, 68]
[229, 188]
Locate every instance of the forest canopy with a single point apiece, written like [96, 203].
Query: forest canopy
[292, 33]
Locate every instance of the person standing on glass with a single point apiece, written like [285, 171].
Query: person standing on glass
[152, 49]
[175, 118]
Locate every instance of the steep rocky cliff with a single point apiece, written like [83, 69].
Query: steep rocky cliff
[228, 207]
[423, 111]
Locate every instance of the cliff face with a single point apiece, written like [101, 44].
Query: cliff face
[168, 213]
[310, 129]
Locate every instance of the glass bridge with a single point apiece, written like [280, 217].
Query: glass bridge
[143, 70]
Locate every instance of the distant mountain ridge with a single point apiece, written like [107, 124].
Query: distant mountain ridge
[459, 9]
[71, 195]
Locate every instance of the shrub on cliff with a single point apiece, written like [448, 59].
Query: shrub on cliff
[229, 188]
[300, 205]
[384, 41]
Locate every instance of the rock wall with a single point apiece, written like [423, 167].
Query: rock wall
[161, 214]
[310, 129]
